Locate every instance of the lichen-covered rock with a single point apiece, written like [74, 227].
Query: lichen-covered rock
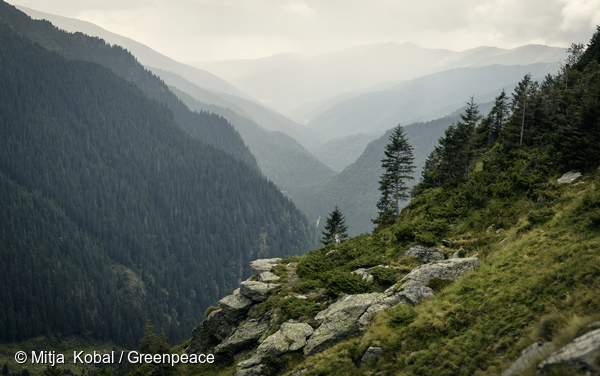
[371, 353]
[235, 305]
[424, 254]
[528, 357]
[210, 332]
[251, 371]
[290, 337]
[246, 334]
[581, 354]
[255, 290]
[568, 177]
[267, 277]
[445, 269]
[264, 265]
[412, 292]
[340, 321]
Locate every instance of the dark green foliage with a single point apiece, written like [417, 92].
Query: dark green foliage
[296, 308]
[336, 230]
[307, 286]
[110, 213]
[209, 128]
[540, 216]
[422, 231]
[384, 276]
[398, 168]
[53, 371]
[343, 282]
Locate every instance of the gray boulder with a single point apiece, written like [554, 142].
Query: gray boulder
[264, 265]
[581, 354]
[528, 356]
[424, 254]
[247, 334]
[340, 321]
[451, 269]
[370, 354]
[235, 305]
[568, 177]
[290, 337]
[267, 277]
[255, 290]
[251, 371]
[210, 332]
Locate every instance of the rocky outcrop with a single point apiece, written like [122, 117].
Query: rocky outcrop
[228, 330]
[451, 269]
[290, 337]
[339, 321]
[264, 265]
[247, 334]
[256, 291]
[528, 357]
[267, 277]
[424, 254]
[579, 355]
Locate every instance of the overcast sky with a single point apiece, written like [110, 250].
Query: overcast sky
[202, 30]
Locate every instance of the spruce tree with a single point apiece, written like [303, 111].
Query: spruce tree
[336, 228]
[398, 168]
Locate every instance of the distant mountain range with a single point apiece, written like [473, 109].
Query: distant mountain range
[287, 81]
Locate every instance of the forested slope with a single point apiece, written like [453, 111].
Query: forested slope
[209, 128]
[111, 214]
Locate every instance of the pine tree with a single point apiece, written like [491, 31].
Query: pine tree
[336, 228]
[399, 167]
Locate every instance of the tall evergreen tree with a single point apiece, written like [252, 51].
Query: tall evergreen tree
[399, 167]
[336, 228]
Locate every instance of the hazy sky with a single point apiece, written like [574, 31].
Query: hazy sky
[196, 30]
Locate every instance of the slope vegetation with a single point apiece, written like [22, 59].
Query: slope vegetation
[111, 214]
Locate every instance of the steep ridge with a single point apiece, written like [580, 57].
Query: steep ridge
[208, 128]
[111, 214]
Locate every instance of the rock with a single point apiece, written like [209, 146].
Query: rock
[251, 371]
[412, 292]
[366, 272]
[581, 355]
[491, 228]
[445, 269]
[235, 305]
[267, 277]
[245, 335]
[264, 265]
[447, 243]
[528, 356]
[298, 373]
[370, 354]
[568, 177]
[255, 290]
[340, 321]
[290, 337]
[210, 332]
[424, 254]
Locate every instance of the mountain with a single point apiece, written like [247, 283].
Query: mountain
[208, 128]
[144, 54]
[418, 99]
[490, 270]
[280, 157]
[111, 213]
[207, 87]
[290, 85]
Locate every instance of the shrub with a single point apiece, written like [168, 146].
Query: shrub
[340, 282]
[384, 276]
